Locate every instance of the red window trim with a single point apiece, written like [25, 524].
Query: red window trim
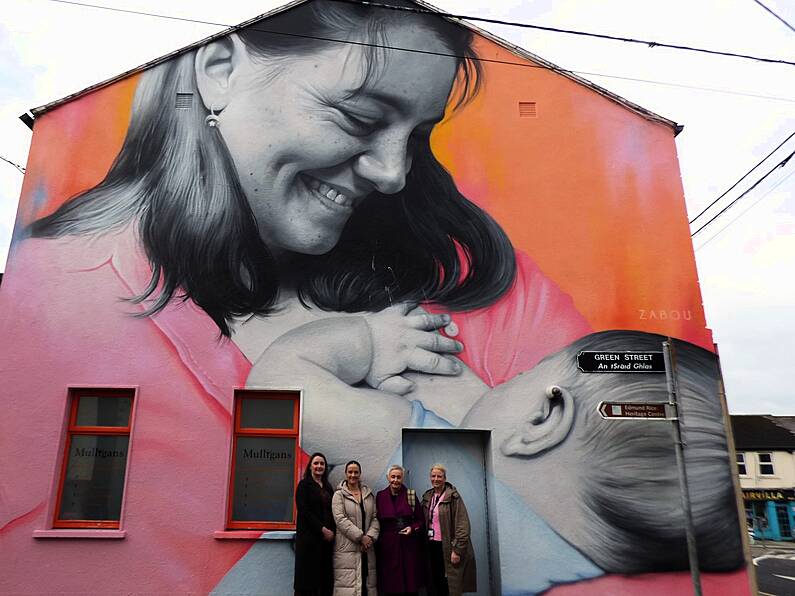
[73, 429]
[238, 431]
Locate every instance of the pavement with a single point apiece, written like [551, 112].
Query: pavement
[775, 567]
[760, 547]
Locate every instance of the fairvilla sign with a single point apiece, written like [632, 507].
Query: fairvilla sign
[769, 495]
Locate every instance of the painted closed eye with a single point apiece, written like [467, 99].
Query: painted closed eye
[359, 126]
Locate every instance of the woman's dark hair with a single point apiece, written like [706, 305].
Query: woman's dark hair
[175, 180]
[323, 479]
[353, 461]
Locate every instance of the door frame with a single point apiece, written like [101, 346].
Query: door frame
[492, 543]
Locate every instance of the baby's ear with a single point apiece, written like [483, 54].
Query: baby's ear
[545, 429]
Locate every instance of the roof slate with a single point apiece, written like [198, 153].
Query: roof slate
[757, 432]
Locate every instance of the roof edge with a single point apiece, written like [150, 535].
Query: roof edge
[58, 102]
[521, 52]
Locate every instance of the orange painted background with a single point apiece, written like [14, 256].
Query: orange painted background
[589, 189]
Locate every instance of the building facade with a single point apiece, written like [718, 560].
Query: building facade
[380, 235]
[765, 450]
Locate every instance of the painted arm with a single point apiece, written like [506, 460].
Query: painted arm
[375, 348]
[332, 407]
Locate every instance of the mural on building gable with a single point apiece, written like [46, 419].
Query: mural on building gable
[414, 239]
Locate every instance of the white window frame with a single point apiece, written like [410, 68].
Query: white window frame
[742, 464]
[766, 463]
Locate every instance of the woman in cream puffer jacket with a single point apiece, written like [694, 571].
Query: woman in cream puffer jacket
[353, 506]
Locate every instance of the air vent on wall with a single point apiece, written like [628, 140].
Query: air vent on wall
[527, 109]
[184, 101]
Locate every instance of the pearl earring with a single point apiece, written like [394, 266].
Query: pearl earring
[212, 118]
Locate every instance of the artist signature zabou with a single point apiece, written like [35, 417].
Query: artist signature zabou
[664, 315]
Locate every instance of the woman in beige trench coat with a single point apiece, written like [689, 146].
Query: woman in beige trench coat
[450, 549]
[353, 507]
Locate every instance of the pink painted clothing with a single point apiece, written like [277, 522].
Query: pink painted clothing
[65, 323]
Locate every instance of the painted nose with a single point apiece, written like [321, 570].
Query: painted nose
[385, 166]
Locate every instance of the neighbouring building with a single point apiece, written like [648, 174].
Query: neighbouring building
[383, 235]
[765, 449]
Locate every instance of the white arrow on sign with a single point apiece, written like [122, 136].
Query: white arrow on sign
[789, 577]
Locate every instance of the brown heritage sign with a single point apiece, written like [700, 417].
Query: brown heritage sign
[656, 410]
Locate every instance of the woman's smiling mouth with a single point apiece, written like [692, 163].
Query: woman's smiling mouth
[327, 194]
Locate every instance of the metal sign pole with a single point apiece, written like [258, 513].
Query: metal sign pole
[670, 376]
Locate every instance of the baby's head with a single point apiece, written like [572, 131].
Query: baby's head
[610, 487]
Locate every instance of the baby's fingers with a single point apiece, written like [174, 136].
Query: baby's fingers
[433, 363]
[434, 342]
[427, 321]
[396, 384]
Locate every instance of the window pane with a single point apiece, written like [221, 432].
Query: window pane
[741, 464]
[266, 413]
[766, 469]
[264, 479]
[94, 477]
[103, 411]
[765, 458]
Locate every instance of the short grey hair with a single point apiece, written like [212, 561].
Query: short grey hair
[438, 467]
[631, 495]
[396, 467]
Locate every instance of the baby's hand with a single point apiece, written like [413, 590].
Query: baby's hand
[405, 338]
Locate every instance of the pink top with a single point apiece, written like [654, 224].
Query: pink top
[435, 525]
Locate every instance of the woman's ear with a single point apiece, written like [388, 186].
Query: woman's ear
[215, 64]
[545, 429]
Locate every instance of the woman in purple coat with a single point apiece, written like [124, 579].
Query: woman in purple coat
[400, 569]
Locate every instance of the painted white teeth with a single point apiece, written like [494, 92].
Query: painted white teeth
[330, 193]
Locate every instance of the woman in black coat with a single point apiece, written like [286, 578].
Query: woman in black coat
[314, 532]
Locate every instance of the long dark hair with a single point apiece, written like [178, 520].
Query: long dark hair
[324, 479]
[175, 180]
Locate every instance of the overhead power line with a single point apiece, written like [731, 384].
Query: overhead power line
[743, 177]
[646, 42]
[17, 166]
[791, 28]
[780, 164]
[747, 209]
[428, 52]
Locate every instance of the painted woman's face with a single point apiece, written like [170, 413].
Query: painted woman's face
[310, 142]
